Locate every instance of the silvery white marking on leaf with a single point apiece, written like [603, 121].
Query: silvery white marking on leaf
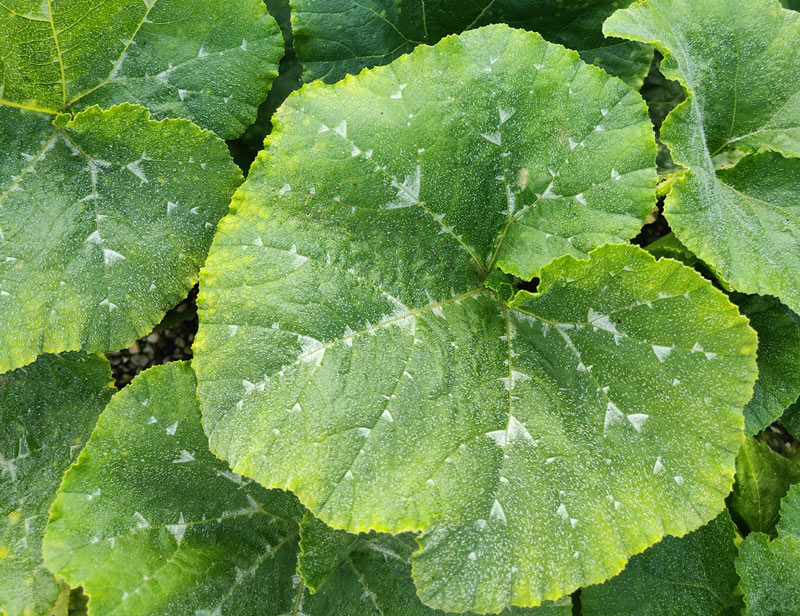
[244, 45]
[177, 530]
[601, 321]
[676, 382]
[550, 460]
[613, 415]
[182, 94]
[94, 237]
[495, 138]
[658, 466]
[94, 494]
[580, 198]
[604, 112]
[284, 189]
[506, 114]
[498, 436]
[136, 170]
[661, 352]
[111, 256]
[472, 556]
[710, 355]
[94, 540]
[599, 129]
[341, 129]
[364, 431]
[399, 93]
[637, 420]
[497, 512]
[232, 329]
[408, 191]
[562, 512]
[480, 524]
[516, 430]
[678, 479]
[171, 207]
[141, 522]
[323, 128]
[202, 53]
[697, 348]
[387, 416]
[572, 144]
[297, 408]
[106, 302]
[171, 429]
[152, 420]
[348, 475]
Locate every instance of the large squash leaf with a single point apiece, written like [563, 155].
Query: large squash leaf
[789, 524]
[47, 411]
[763, 478]
[150, 522]
[105, 220]
[344, 36]
[212, 62]
[694, 574]
[351, 347]
[739, 61]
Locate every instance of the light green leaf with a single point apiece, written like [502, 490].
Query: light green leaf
[196, 59]
[150, 522]
[762, 479]
[349, 349]
[105, 220]
[688, 575]
[739, 61]
[670, 246]
[363, 575]
[336, 37]
[789, 524]
[769, 572]
[47, 411]
[778, 383]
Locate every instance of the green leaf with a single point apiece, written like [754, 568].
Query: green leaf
[778, 383]
[791, 419]
[47, 411]
[791, 4]
[150, 522]
[670, 246]
[688, 575]
[196, 59]
[361, 575]
[105, 220]
[789, 524]
[762, 479]
[769, 572]
[336, 37]
[343, 310]
[740, 65]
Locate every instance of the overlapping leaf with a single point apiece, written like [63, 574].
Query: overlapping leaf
[739, 61]
[150, 522]
[47, 411]
[349, 349]
[689, 575]
[344, 36]
[208, 61]
[763, 478]
[105, 220]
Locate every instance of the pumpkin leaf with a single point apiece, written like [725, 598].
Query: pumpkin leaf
[47, 411]
[743, 221]
[769, 571]
[778, 383]
[344, 305]
[763, 478]
[194, 59]
[694, 574]
[199, 540]
[789, 524]
[345, 36]
[105, 220]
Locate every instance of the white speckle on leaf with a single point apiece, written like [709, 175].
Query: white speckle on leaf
[111, 256]
[94, 237]
[341, 129]
[171, 429]
[141, 522]
[637, 420]
[111, 306]
[494, 138]
[678, 479]
[497, 512]
[386, 415]
[613, 415]
[662, 352]
[177, 530]
[658, 466]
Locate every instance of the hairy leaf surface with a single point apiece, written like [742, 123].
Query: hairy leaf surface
[344, 36]
[212, 62]
[361, 575]
[151, 523]
[688, 575]
[349, 349]
[763, 478]
[739, 61]
[47, 411]
[105, 220]
[789, 524]
[769, 571]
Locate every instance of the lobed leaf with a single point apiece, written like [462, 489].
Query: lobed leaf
[195, 59]
[105, 220]
[789, 524]
[739, 61]
[769, 571]
[694, 574]
[344, 36]
[47, 411]
[350, 350]
[763, 478]
[150, 522]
